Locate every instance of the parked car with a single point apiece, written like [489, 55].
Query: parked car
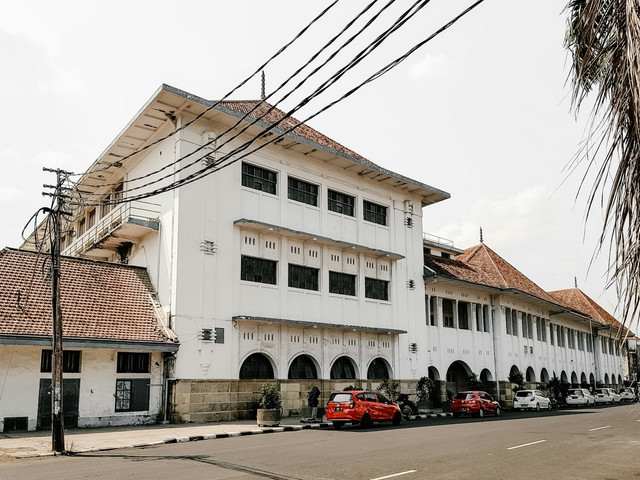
[531, 400]
[628, 394]
[606, 395]
[475, 403]
[361, 407]
[580, 397]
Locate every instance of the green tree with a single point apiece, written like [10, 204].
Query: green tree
[603, 39]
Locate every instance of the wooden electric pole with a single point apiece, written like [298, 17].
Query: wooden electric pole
[57, 411]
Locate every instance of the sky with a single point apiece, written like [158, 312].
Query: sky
[482, 111]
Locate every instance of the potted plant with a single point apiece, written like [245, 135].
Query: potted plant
[270, 409]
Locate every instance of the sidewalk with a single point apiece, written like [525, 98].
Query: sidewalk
[82, 440]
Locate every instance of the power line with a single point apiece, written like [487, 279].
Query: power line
[240, 85]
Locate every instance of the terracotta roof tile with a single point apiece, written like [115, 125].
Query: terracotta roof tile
[99, 300]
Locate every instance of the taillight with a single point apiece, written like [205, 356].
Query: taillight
[352, 405]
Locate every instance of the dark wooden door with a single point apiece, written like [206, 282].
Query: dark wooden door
[70, 402]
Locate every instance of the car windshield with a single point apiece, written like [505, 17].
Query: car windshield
[601, 390]
[576, 392]
[465, 396]
[524, 393]
[340, 397]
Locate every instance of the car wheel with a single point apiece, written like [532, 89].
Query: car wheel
[365, 421]
[481, 413]
[498, 411]
[537, 407]
[396, 418]
[338, 425]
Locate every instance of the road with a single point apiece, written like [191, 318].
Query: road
[597, 443]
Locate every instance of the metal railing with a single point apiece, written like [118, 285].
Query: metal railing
[435, 239]
[110, 222]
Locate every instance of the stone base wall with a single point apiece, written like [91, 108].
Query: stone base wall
[223, 400]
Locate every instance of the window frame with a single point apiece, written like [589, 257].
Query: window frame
[302, 191]
[257, 177]
[448, 321]
[337, 288]
[71, 361]
[339, 205]
[251, 270]
[138, 396]
[373, 289]
[133, 362]
[375, 213]
[309, 277]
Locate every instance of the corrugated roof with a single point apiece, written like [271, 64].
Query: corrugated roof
[99, 300]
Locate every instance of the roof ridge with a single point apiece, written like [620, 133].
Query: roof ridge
[489, 252]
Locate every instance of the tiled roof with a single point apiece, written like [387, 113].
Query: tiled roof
[276, 116]
[577, 299]
[99, 300]
[482, 265]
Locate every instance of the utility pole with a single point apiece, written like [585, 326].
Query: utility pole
[57, 411]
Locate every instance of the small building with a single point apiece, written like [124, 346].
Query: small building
[116, 346]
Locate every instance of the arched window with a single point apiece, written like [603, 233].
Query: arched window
[303, 367]
[256, 366]
[343, 368]
[378, 370]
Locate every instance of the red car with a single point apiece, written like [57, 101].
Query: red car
[475, 403]
[361, 406]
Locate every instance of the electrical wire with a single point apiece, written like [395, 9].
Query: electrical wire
[231, 92]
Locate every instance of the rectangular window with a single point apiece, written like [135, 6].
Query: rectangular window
[529, 326]
[341, 203]
[132, 395]
[372, 212]
[478, 317]
[485, 317]
[303, 277]
[514, 322]
[376, 289]
[463, 315]
[551, 329]
[91, 218]
[507, 317]
[70, 361]
[133, 362]
[258, 270]
[302, 191]
[433, 309]
[447, 312]
[259, 178]
[342, 283]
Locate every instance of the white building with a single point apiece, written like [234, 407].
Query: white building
[286, 256]
[114, 349]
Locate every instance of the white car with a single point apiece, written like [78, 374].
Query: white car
[627, 394]
[531, 400]
[606, 395]
[580, 396]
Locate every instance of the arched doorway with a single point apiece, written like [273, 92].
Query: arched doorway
[530, 375]
[343, 369]
[592, 380]
[256, 366]
[485, 376]
[613, 379]
[606, 379]
[544, 376]
[563, 377]
[574, 379]
[619, 380]
[457, 376]
[583, 380]
[378, 369]
[303, 367]
[433, 373]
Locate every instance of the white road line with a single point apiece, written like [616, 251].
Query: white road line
[526, 445]
[599, 428]
[394, 475]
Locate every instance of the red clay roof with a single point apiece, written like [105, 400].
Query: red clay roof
[577, 299]
[99, 300]
[276, 117]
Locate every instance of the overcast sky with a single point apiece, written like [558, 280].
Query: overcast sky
[482, 111]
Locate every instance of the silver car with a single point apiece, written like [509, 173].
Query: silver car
[580, 397]
[606, 395]
[531, 400]
[627, 394]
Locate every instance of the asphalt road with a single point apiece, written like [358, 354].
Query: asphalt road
[597, 443]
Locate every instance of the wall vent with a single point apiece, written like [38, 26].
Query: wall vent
[209, 247]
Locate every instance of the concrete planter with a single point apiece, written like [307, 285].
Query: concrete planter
[268, 417]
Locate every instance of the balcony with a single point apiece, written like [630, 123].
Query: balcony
[125, 224]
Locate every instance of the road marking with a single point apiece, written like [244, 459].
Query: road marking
[394, 475]
[599, 428]
[526, 445]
